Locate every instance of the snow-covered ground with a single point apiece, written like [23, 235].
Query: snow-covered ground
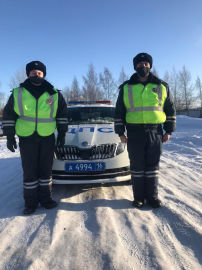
[95, 227]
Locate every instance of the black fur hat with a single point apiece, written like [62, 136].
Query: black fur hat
[142, 57]
[35, 65]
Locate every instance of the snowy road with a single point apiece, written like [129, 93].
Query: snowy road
[95, 227]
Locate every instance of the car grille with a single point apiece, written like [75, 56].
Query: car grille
[102, 151]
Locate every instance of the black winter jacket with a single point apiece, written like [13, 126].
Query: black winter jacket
[10, 116]
[120, 112]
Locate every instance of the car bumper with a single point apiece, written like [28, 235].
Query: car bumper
[108, 176]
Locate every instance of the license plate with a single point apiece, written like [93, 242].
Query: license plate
[85, 167]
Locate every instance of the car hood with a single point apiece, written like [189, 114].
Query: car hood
[85, 135]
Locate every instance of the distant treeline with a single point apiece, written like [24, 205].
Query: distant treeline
[186, 93]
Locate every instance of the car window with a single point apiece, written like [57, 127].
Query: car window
[93, 115]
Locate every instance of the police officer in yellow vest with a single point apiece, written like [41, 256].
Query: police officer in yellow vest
[144, 109]
[33, 112]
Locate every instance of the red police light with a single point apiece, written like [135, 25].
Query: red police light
[103, 101]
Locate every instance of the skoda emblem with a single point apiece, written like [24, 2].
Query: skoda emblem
[84, 144]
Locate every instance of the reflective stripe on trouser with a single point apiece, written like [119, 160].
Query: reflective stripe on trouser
[37, 157]
[31, 193]
[31, 184]
[144, 149]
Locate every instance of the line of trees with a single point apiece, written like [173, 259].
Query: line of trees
[186, 93]
[16, 79]
[95, 87]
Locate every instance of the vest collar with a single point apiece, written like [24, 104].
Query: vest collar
[134, 79]
[45, 87]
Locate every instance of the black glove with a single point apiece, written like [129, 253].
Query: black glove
[61, 139]
[11, 143]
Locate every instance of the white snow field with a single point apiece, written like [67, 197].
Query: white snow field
[95, 227]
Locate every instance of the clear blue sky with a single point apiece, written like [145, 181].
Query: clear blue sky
[68, 35]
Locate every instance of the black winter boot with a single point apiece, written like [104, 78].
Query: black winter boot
[137, 203]
[155, 203]
[49, 204]
[29, 210]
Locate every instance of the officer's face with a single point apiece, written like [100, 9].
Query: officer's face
[36, 72]
[143, 64]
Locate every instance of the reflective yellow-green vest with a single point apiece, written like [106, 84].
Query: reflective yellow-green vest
[144, 104]
[35, 114]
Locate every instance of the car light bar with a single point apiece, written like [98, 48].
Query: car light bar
[89, 102]
[103, 101]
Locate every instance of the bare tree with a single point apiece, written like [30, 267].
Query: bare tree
[2, 103]
[19, 77]
[107, 84]
[2, 100]
[186, 88]
[199, 88]
[166, 77]
[66, 93]
[174, 88]
[154, 71]
[122, 77]
[91, 90]
[75, 93]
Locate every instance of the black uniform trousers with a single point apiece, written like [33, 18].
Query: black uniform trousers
[37, 159]
[144, 149]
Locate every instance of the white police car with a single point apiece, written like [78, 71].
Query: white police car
[93, 152]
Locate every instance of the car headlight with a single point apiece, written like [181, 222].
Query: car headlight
[120, 148]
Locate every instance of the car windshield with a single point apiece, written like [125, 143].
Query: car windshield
[93, 115]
